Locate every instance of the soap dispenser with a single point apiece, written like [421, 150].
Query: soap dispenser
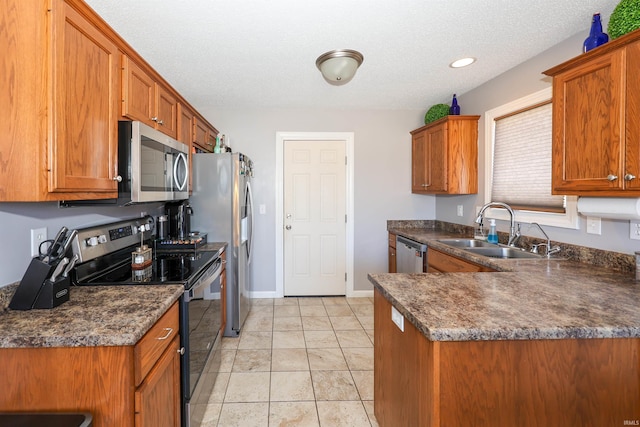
[493, 234]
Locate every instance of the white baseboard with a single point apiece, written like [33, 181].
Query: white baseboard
[273, 294]
[360, 294]
[262, 294]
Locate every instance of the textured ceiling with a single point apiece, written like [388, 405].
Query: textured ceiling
[259, 53]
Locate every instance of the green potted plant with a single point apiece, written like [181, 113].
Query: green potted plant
[624, 19]
[436, 112]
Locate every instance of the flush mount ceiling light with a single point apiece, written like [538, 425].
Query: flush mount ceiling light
[462, 62]
[339, 66]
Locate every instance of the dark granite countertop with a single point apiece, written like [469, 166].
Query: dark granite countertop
[526, 299]
[93, 316]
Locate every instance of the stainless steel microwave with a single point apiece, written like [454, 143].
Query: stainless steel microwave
[154, 167]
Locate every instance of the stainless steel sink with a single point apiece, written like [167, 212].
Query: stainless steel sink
[466, 243]
[502, 252]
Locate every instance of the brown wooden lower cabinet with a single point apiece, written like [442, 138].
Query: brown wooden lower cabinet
[551, 383]
[123, 386]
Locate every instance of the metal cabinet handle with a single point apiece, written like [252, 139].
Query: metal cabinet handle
[154, 119]
[169, 332]
[612, 177]
[181, 351]
[161, 122]
[117, 178]
[629, 177]
[288, 227]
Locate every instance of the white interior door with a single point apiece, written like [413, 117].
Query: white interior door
[314, 218]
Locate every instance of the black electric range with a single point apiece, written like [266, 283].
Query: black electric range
[174, 267]
[105, 255]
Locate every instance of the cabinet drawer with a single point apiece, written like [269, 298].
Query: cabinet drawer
[441, 262]
[150, 347]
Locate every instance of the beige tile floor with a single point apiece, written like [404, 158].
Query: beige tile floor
[298, 362]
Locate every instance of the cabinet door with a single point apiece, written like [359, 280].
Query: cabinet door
[429, 160]
[85, 63]
[392, 254]
[588, 126]
[166, 112]
[632, 142]
[201, 134]
[439, 262]
[157, 400]
[138, 93]
[436, 161]
[418, 162]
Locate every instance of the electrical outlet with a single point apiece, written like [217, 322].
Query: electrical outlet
[634, 230]
[460, 210]
[38, 235]
[594, 225]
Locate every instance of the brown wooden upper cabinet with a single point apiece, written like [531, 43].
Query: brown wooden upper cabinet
[59, 122]
[596, 121]
[204, 135]
[145, 100]
[444, 156]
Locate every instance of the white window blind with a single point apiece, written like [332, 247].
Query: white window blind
[522, 160]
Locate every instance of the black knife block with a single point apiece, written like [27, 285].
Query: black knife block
[35, 291]
[52, 294]
[30, 285]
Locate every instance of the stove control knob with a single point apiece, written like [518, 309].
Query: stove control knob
[92, 241]
[102, 238]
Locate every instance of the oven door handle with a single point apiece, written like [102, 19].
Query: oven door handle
[211, 274]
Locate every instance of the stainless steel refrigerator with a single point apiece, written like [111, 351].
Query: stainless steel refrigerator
[222, 208]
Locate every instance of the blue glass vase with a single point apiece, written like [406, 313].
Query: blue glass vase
[596, 36]
[454, 110]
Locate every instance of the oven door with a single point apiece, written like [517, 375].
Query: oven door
[201, 320]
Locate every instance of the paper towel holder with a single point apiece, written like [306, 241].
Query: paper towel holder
[626, 208]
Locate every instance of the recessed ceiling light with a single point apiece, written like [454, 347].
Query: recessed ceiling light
[462, 62]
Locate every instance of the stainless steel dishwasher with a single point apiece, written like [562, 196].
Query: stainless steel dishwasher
[410, 256]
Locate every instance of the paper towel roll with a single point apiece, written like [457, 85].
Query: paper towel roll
[610, 207]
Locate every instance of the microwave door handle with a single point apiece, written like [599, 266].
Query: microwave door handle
[180, 158]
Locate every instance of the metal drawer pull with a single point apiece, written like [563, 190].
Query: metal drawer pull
[612, 177]
[181, 351]
[629, 177]
[169, 332]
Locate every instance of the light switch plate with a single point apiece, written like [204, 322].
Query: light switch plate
[594, 225]
[460, 210]
[634, 230]
[38, 235]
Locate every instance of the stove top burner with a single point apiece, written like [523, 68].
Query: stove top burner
[167, 267]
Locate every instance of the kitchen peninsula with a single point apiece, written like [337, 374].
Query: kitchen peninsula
[537, 343]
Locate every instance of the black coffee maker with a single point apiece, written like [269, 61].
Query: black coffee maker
[179, 214]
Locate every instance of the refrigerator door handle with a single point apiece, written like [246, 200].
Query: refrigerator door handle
[250, 213]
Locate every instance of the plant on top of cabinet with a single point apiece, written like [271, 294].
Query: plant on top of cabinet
[596, 121]
[444, 156]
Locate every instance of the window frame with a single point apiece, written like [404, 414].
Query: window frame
[568, 219]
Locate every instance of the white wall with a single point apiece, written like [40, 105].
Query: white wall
[17, 220]
[382, 176]
[522, 80]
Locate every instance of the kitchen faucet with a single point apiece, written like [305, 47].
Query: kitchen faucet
[513, 233]
[548, 249]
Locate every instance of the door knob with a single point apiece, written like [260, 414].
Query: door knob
[288, 216]
[288, 227]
